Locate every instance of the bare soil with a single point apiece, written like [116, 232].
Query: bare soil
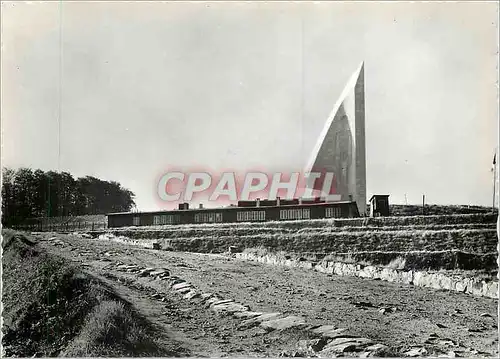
[400, 316]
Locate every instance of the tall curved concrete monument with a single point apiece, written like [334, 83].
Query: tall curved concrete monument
[341, 145]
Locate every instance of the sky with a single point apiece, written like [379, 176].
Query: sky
[137, 88]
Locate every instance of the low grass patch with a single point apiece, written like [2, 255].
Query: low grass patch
[112, 329]
[433, 209]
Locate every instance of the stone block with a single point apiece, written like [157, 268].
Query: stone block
[283, 323]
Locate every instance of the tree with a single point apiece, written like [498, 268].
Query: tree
[7, 195]
[31, 194]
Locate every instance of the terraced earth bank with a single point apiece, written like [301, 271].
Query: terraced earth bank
[220, 305]
[470, 233]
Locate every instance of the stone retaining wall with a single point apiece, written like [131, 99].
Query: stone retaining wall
[474, 286]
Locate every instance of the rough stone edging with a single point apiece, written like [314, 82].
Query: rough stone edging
[331, 340]
[472, 286]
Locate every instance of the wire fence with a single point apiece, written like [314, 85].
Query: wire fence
[62, 227]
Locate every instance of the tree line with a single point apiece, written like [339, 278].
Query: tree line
[34, 194]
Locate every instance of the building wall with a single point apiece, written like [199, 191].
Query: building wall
[234, 215]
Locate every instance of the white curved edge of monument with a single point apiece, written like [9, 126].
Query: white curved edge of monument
[349, 86]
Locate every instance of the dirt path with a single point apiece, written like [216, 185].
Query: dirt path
[400, 316]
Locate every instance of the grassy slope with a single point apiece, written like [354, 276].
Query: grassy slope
[463, 241]
[434, 209]
[487, 220]
[53, 309]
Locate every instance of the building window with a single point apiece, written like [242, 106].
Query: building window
[136, 221]
[298, 213]
[159, 220]
[333, 212]
[207, 217]
[251, 216]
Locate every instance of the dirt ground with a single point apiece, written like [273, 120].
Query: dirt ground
[397, 315]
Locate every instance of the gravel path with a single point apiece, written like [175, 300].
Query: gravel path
[402, 317]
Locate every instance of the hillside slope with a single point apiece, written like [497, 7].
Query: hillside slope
[52, 308]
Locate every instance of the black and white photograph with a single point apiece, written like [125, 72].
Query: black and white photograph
[249, 179]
